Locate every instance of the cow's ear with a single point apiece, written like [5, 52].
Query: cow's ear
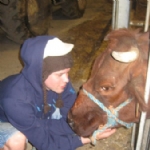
[136, 90]
[96, 64]
[144, 36]
[106, 38]
[112, 32]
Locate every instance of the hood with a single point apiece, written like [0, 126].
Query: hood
[32, 53]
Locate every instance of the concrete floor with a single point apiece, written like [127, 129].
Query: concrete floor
[96, 21]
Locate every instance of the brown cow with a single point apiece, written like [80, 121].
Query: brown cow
[115, 89]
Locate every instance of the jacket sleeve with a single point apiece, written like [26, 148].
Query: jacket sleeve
[44, 134]
[39, 131]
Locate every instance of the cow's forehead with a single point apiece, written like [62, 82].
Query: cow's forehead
[122, 45]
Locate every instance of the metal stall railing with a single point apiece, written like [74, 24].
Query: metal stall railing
[144, 123]
[120, 14]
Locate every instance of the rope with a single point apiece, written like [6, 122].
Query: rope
[112, 114]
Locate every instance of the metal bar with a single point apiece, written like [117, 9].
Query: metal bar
[129, 13]
[147, 88]
[148, 141]
[145, 141]
[141, 130]
[137, 23]
[123, 13]
[133, 136]
[114, 14]
[117, 14]
[147, 16]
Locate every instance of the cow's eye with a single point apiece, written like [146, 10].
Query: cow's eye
[105, 88]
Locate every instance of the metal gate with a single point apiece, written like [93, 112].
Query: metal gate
[121, 19]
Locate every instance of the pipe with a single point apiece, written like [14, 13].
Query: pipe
[113, 14]
[133, 136]
[129, 12]
[137, 23]
[123, 13]
[120, 14]
[117, 14]
[147, 16]
[147, 87]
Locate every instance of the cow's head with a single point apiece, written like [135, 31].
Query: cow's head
[118, 74]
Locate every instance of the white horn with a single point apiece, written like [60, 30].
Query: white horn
[126, 57]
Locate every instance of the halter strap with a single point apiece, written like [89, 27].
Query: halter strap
[112, 115]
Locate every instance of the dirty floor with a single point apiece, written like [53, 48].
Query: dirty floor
[87, 33]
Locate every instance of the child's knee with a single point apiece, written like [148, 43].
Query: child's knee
[16, 142]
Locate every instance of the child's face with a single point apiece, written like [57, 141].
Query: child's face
[57, 81]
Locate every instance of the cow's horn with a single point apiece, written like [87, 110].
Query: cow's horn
[126, 57]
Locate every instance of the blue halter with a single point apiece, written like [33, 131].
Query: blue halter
[112, 115]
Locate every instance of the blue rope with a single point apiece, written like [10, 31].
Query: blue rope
[112, 119]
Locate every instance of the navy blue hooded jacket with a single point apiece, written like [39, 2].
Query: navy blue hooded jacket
[21, 102]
